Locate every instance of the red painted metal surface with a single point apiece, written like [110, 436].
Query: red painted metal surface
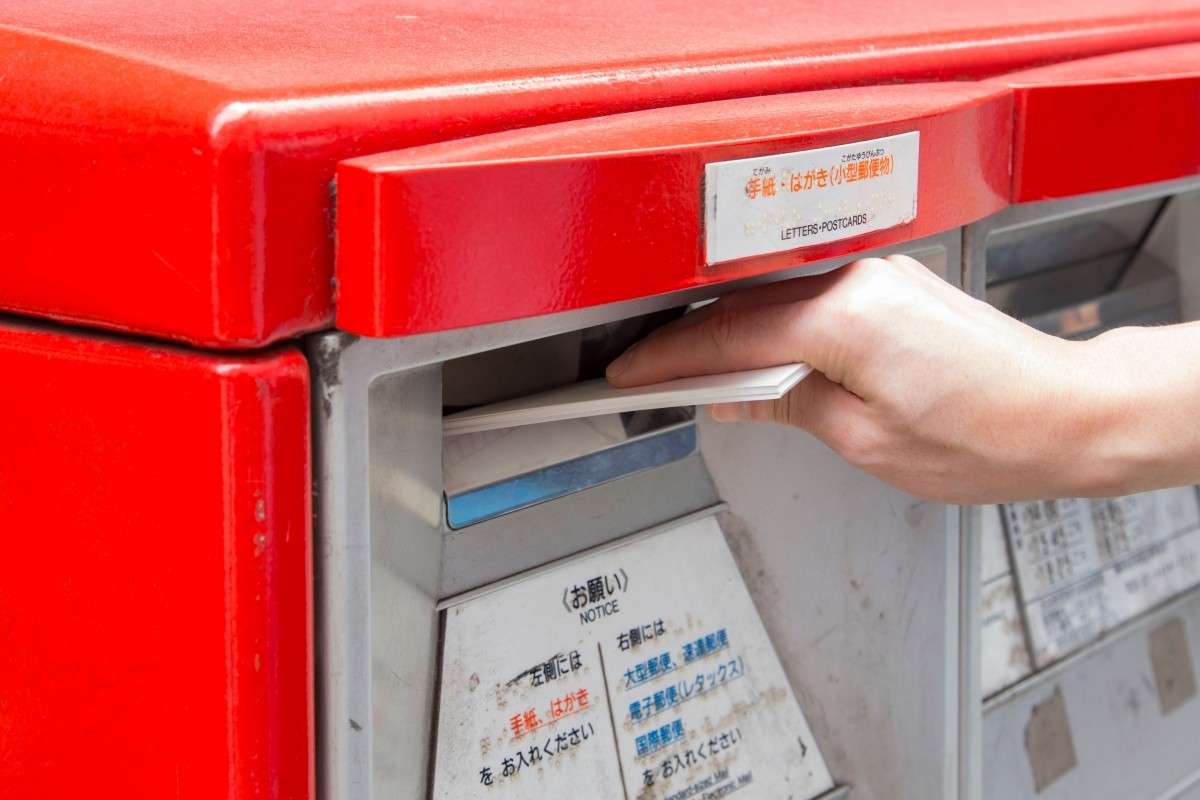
[155, 582]
[169, 163]
[1106, 123]
[533, 222]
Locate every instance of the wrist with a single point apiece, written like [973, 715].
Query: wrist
[1069, 412]
[1124, 441]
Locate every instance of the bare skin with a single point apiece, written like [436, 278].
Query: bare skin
[942, 395]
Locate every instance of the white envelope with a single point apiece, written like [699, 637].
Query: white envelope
[592, 398]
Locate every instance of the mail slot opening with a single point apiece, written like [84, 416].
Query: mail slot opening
[489, 473]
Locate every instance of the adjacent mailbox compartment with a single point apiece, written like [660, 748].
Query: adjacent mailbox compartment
[1105, 157]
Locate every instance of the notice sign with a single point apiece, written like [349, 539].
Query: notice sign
[1086, 566]
[639, 672]
[757, 206]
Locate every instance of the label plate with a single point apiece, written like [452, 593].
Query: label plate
[640, 672]
[757, 206]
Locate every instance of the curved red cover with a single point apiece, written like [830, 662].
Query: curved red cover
[1106, 123]
[579, 214]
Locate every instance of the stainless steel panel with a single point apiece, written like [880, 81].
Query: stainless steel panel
[1147, 288]
[857, 584]
[1126, 747]
[1067, 240]
[1015, 221]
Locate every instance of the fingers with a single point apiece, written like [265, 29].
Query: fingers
[745, 330]
[782, 293]
[723, 341]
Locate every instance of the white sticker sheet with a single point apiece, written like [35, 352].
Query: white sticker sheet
[1086, 566]
[758, 206]
[638, 672]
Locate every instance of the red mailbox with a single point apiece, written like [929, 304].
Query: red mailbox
[194, 187]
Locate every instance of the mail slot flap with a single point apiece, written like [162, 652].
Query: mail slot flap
[1106, 123]
[565, 216]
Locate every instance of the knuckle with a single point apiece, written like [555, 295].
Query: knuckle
[799, 325]
[858, 444]
[850, 309]
[729, 302]
[869, 268]
[861, 301]
[724, 330]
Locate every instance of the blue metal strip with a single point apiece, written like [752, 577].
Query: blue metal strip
[562, 479]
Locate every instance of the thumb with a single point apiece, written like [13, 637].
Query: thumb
[817, 405]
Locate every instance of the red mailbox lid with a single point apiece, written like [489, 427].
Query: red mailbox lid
[169, 163]
[1106, 123]
[541, 220]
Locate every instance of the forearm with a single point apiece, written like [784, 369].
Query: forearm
[1139, 426]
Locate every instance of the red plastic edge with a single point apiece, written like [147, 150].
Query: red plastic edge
[581, 214]
[156, 583]
[1106, 123]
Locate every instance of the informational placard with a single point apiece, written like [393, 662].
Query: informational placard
[756, 206]
[1005, 655]
[639, 672]
[1085, 566]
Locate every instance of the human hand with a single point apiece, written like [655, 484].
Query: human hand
[917, 383]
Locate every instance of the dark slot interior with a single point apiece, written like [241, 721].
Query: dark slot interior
[542, 364]
[1037, 269]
